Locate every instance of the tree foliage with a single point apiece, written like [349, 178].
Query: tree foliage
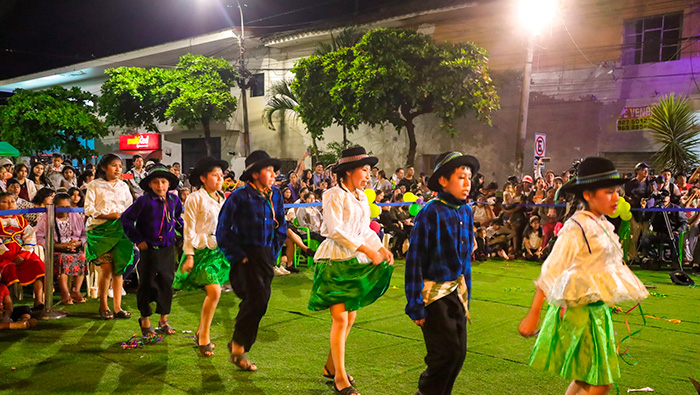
[674, 128]
[197, 91]
[393, 76]
[55, 118]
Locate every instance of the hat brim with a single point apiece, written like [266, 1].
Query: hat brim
[572, 187]
[172, 179]
[446, 169]
[202, 166]
[343, 167]
[275, 163]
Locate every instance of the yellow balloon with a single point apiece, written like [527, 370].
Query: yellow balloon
[409, 197]
[626, 216]
[371, 195]
[374, 211]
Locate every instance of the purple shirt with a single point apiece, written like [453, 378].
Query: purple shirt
[151, 220]
[76, 224]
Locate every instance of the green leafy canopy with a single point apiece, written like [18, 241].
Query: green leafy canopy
[55, 118]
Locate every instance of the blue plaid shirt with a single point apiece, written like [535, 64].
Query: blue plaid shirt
[247, 220]
[441, 248]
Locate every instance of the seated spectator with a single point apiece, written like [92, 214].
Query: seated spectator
[69, 180]
[499, 238]
[13, 188]
[395, 228]
[3, 177]
[27, 186]
[383, 184]
[403, 215]
[183, 193]
[85, 178]
[482, 252]
[13, 317]
[43, 197]
[483, 212]
[76, 197]
[533, 240]
[310, 217]
[288, 195]
[69, 256]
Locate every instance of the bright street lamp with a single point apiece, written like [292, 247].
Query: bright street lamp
[534, 15]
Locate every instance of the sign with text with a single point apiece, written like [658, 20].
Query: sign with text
[540, 147]
[138, 142]
[634, 118]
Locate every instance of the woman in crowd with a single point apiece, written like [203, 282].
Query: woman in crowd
[76, 197]
[107, 246]
[344, 281]
[37, 176]
[41, 199]
[288, 196]
[203, 264]
[69, 180]
[27, 187]
[69, 240]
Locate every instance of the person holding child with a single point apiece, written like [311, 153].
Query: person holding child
[18, 262]
[352, 268]
[251, 232]
[69, 259]
[438, 272]
[203, 265]
[151, 224]
[106, 198]
[581, 279]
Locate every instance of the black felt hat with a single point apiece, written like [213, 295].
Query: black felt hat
[159, 171]
[593, 173]
[204, 165]
[256, 161]
[446, 163]
[352, 158]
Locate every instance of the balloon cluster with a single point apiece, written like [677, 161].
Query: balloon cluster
[622, 210]
[374, 210]
[410, 197]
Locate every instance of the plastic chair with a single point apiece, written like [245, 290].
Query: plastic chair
[308, 241]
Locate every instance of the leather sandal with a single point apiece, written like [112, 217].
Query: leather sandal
[196, 340]
[241, 360]
[327, 374]
[122, 315]
[206, 350]
[106, 315]
[146, 332]
[345, 391]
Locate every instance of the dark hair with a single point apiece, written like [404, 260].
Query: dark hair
[397, 169]
[497, 221]
[382, 174]
[492, 186]
[42, 194]
[70, 193]
[65, 168]
[133, 158]
[528, 231]
[306, 195]
[6, 194]
[104, 162]
[61, 196]
[37, 180]
[18, 167]
[11, 181]
[56, 155]
[83, 176]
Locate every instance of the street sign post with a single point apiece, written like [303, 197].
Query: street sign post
[540, 148]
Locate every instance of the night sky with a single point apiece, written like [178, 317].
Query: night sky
[37, 35]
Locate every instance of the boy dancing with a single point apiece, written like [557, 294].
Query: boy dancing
[250, 233]
[150, 223]
[438, 272]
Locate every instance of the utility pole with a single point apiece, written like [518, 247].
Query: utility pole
[524, 106]
[243, 82]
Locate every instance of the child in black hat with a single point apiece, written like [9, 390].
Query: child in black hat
[438, 272]
[151, 224]
[250, 232]
[583, 275]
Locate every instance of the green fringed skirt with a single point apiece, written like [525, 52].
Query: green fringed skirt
[210, 267]
[350, 282]
[579, 346]
[109, 237]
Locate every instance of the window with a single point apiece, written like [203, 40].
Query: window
[257, 85]
[652, 39]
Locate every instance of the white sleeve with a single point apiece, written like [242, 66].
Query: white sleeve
[569, 242]
[190, 219]
[28, 238]
[89, 206]
[339, 230]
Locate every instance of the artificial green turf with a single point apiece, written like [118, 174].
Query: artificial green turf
[385, 351]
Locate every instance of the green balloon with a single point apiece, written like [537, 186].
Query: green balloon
[414, 209]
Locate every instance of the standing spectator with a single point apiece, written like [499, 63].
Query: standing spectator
[408, 180]
[477, 184]
[527, 187]
[682, 184]
[53, 173]
[383, 184]
[637, 191]
[669, 187]
[318, 175]
[397, 177]
[138, 172]
[374, 178]
[27, 188]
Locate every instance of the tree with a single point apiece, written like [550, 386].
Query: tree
[55, 118]
[136, 97]
[674, 128]
[393, 76]
[197, 91]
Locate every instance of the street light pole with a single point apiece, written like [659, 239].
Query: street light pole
[524, 107]
[243, 84]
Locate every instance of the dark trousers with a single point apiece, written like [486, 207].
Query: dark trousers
[251, 282]
[156, 271]
[445, 334]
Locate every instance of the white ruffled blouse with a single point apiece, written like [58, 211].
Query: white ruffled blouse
[201, 217]
[346, 226]
[104, 197]
[573, 276]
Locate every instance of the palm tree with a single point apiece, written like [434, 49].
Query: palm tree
[675, 130]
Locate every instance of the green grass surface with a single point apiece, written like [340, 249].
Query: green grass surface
[79, 354]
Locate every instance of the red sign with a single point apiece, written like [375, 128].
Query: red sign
[138, 142]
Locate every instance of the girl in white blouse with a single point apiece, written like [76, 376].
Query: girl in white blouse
[582, 276]
[107, 246]
[352, 267]
[203, 264]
